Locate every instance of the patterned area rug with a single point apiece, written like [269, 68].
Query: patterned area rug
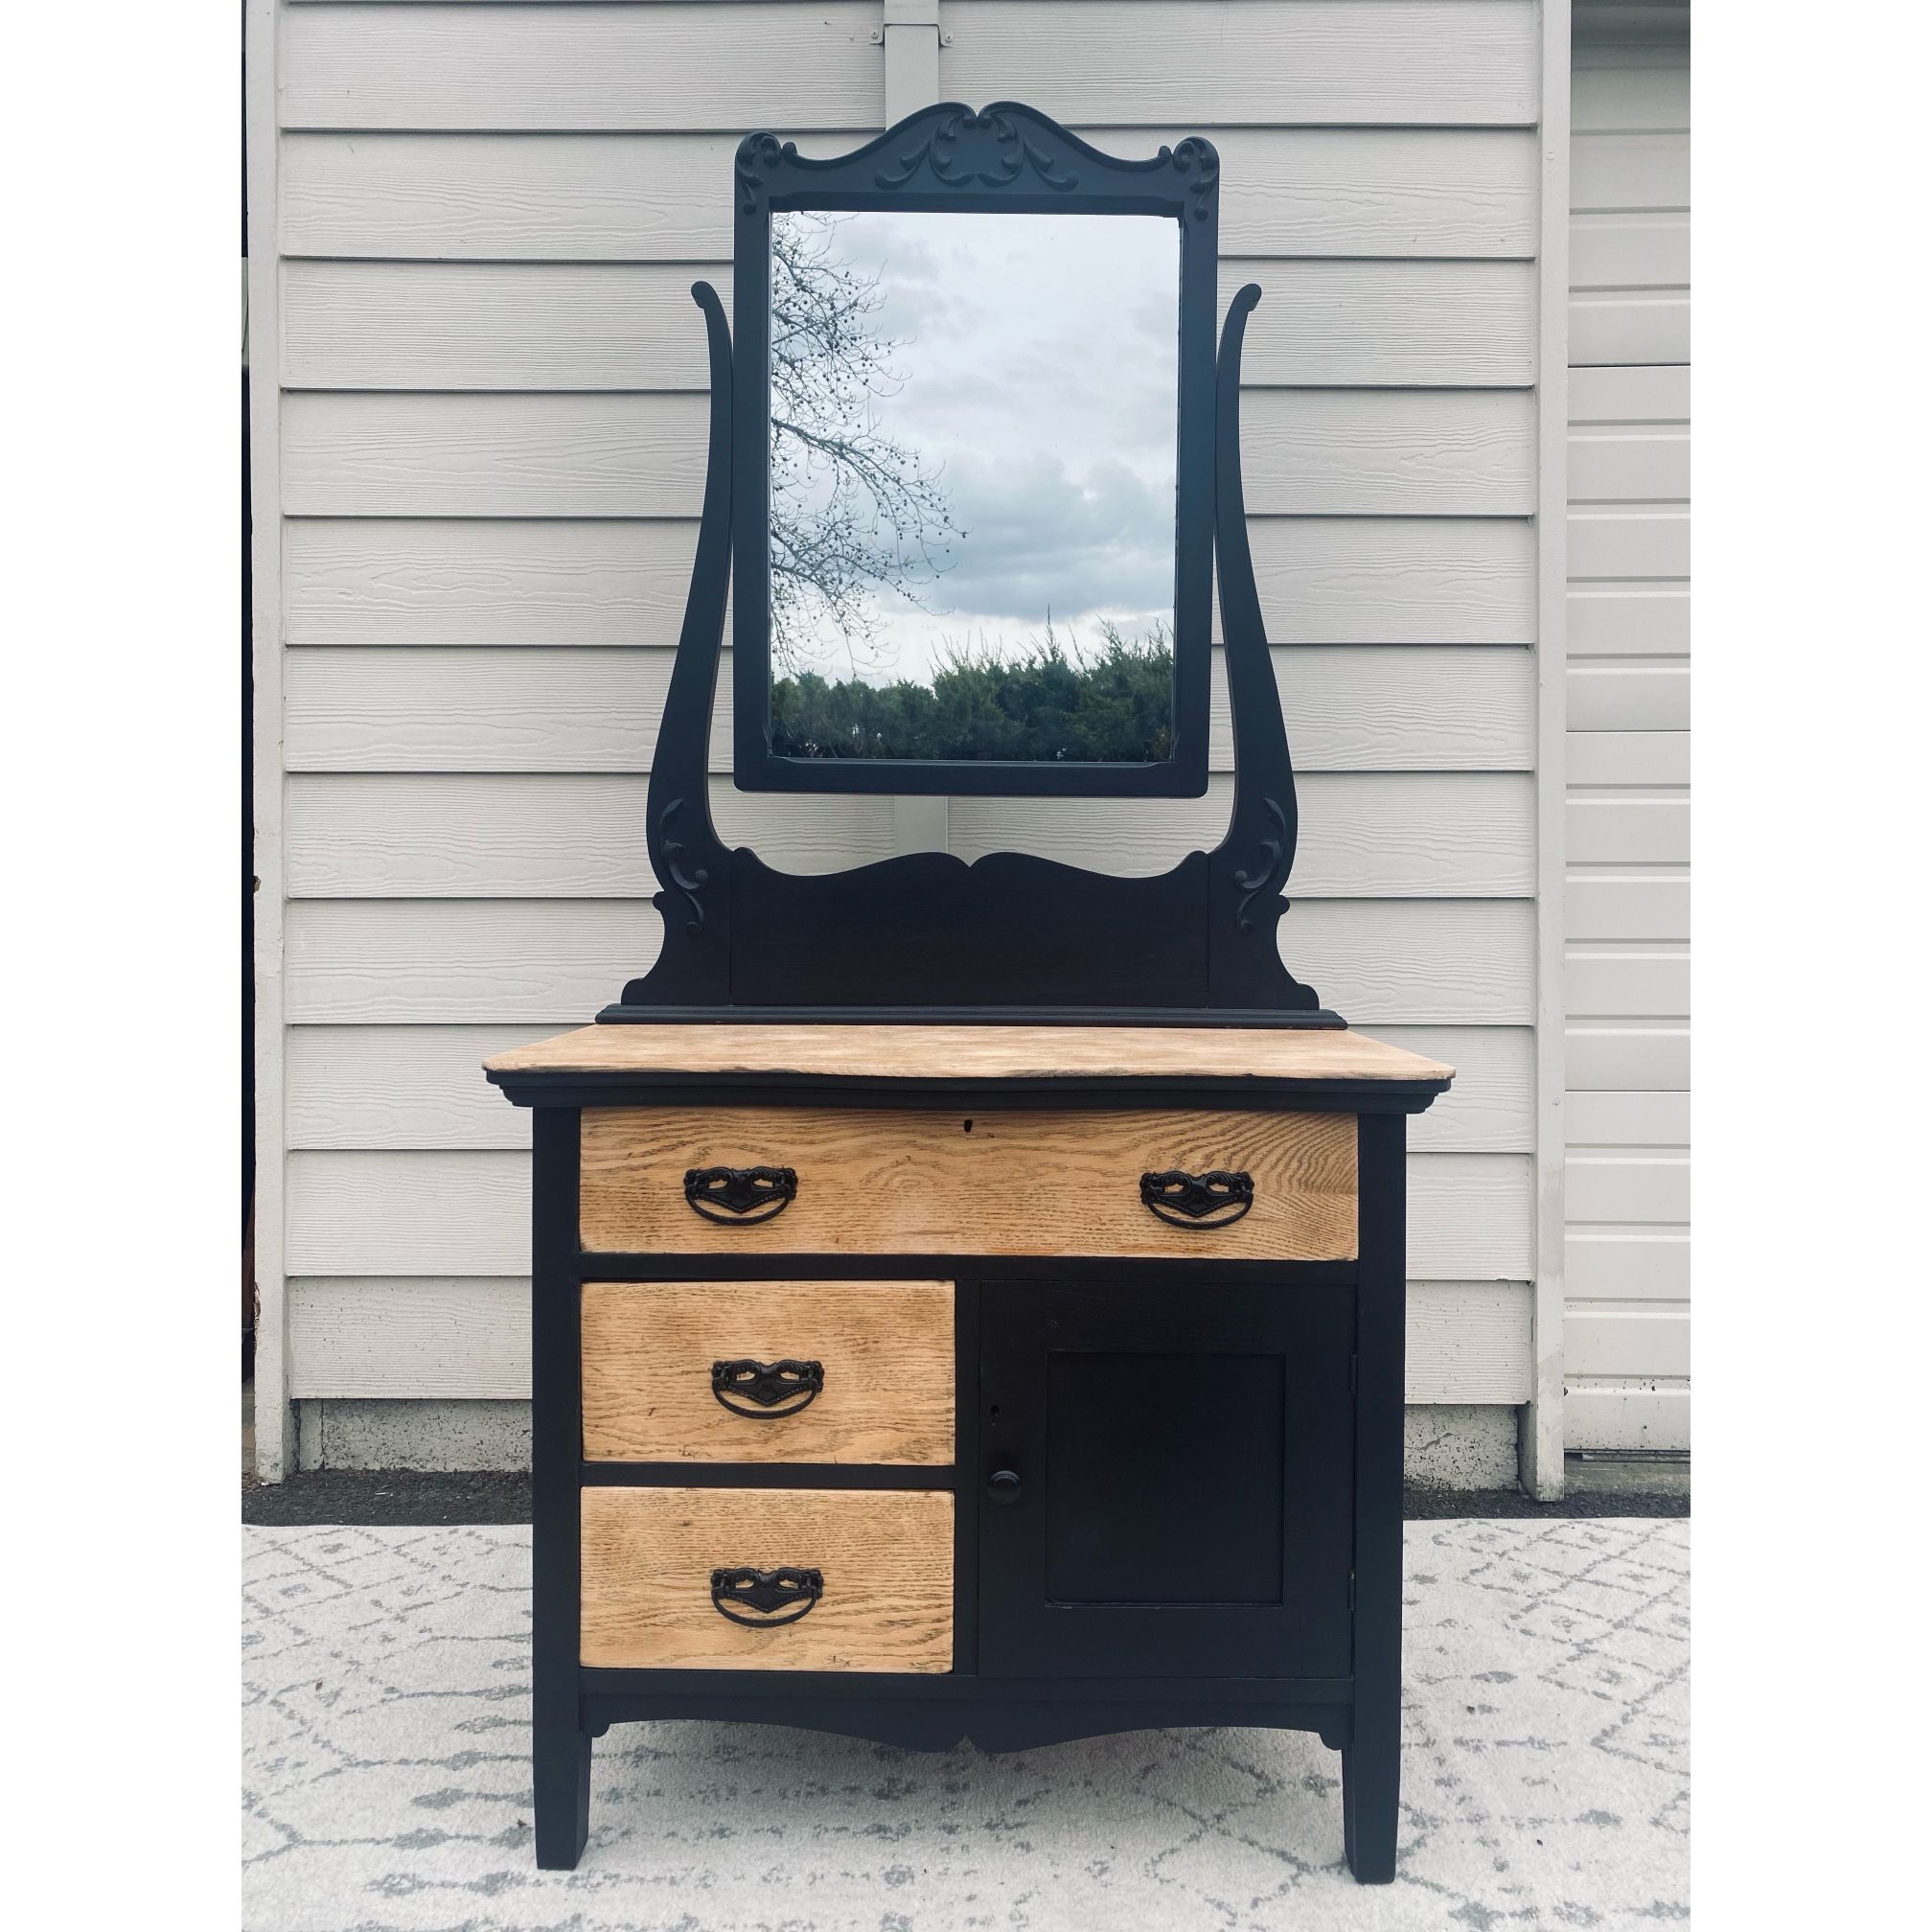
[385, 1780]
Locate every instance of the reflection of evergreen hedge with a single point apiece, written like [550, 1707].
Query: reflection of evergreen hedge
[1116, 703]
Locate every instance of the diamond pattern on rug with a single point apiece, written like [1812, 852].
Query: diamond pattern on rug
[386, 1783]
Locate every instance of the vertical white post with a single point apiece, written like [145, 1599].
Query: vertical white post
[1542, 1457]
[275, 1435]
[912, 37]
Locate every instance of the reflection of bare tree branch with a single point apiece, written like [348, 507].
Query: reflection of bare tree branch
[851, 509]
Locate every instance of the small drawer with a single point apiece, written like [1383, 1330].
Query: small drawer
[776, 1580]
[1175, 1184]
[768, 1371]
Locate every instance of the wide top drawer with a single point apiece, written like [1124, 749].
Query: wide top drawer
[1175, 1184]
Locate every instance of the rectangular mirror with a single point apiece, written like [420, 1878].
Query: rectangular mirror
[972, 508]
[967, 559]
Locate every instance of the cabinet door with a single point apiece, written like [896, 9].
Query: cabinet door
[1167, 1487]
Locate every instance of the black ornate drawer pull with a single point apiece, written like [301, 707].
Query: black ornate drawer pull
[767, 1384]
[740, 1196]
[779, 1595]
[1210, 1200]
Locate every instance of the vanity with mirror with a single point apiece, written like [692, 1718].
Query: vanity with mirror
[968, 1299]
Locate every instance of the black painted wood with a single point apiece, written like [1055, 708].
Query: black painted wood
[1005, 158]
[560, 1744]
[1371, 1765]
[1011, 934]
[1183, 1504]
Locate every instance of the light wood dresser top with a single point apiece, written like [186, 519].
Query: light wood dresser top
[992, 1052]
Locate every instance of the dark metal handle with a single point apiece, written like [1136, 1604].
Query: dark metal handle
[778, 1596]
[768, 1385]
[740, 1196]
[1003, 1486]
[1210, 1200]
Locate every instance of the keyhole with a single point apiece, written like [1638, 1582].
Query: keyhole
[969, 1127]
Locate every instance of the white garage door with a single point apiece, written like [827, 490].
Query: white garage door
[1626, 1331]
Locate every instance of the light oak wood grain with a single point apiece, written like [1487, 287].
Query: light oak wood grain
[976, 1052]
[885, 1346]
[467, 1339]
[417, 1087]
[896, 1182]
[467, 1212]
[886, 1558]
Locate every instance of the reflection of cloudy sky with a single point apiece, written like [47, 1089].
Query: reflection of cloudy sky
[1037, 353]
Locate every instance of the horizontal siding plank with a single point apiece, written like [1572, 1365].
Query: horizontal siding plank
[1469, 1342]
[1396, 581]
[1627, 1342]
[401, 1087]
[1465, 835]
[450, 1338]
[1389, 453]
[1638, 1417]
[422, 1087]
[1617, 1058]
[1388, 322]
[1624, 99]
[1628, 982]
[1629, 696]
[632, 326]
[1627, 1121]
[731, 68]
[1630, 395]
[1627, 905]
[1603, 620]
[493, 455]
[501, 963]
[1627, 828]
[1642, 542]
[1618, 1188]
[448, 961]
[1644, 169]
[1628, 757]
[1612, 465]
[1463, 61]
[468, 1338]
[1632, 326]
[1627, 1264]
[458, 325]
[1396, 708]
[1457, 191]
[469, 1213]
[1323, 579]
[1629, 251]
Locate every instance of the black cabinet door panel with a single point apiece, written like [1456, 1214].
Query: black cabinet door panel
[1168, 1479]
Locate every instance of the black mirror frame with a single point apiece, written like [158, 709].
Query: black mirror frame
[1006, 158]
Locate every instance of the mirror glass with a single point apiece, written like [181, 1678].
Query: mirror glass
[972, 486]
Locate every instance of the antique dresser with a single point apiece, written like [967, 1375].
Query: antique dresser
[941, 1382]
[968, 1296]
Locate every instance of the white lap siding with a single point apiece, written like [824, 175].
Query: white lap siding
[488, 217]
[1626, 1337]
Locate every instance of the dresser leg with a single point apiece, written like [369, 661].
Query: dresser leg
[562, 1765]
[1371, 1793]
